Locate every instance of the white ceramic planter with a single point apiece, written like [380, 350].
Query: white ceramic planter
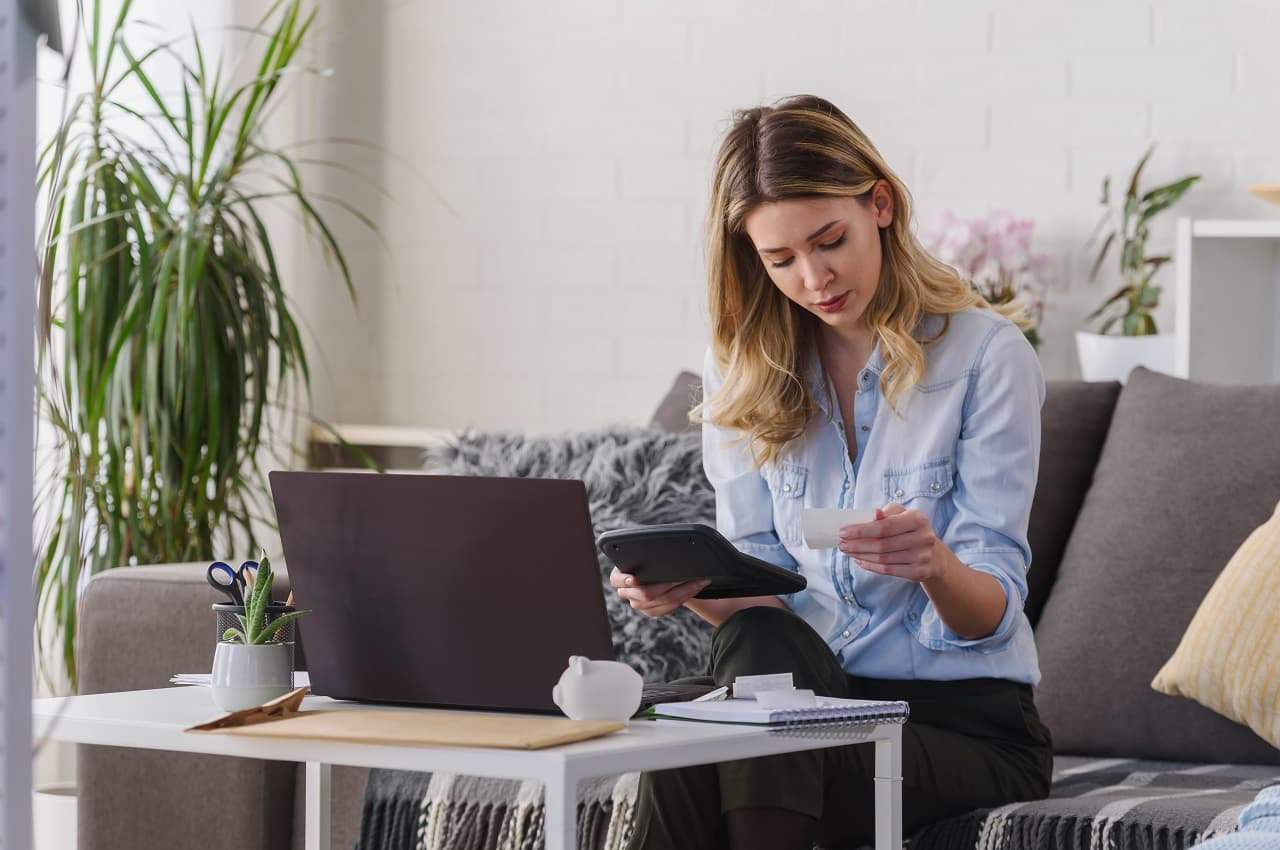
[247, 676]
[1112, 358]
[53, 813]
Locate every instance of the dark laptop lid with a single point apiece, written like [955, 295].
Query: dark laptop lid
[441, 590]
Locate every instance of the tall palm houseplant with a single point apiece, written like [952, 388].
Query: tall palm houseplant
[167, 343]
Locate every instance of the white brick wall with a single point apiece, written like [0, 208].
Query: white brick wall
[543, 266]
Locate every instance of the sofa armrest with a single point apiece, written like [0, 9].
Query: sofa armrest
[139, 626]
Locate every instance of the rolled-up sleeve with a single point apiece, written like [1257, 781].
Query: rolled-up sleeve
[744, 505]
[997, 461]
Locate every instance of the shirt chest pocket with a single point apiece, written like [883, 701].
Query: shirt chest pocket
[929, 481]
[788, 482]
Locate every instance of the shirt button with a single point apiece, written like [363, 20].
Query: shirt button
[935, 486]
[913, 616]
[845, 633]
[848, 599]
[786, 488]
[866, 427]
[898, 494]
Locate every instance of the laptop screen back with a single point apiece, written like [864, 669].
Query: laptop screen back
[441, 590]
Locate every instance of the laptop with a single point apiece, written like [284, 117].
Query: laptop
[443, 590]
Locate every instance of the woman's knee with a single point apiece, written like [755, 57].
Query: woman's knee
[773, 640]
[760, 620]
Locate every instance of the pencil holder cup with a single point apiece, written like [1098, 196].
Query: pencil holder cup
[247, 676]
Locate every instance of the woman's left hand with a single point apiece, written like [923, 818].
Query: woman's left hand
[898, 543]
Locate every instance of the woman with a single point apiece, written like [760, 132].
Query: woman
[848, 368]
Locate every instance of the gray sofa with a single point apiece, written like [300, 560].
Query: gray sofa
[1144, 493]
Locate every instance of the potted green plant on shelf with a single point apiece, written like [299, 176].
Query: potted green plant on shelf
[253, 662]
[170, 356]
[1127, 335]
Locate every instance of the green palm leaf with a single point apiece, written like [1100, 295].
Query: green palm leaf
[166, 335]
[1130, 228]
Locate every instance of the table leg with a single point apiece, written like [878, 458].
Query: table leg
[317, 788]
[560, 805]
[888, 784]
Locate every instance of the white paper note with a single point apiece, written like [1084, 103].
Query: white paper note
[793, 698]
[821, 526]
[746, 687]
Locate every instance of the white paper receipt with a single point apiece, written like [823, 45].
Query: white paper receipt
[821, 526]
[746, 687]
[793, 698]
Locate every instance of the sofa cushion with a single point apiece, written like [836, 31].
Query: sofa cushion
[1187, 472]
[1074, 422]
[672, 414]
[1229, 659]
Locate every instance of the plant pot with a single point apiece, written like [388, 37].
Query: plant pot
[1112, 358]
[53, 814]
[247, 676]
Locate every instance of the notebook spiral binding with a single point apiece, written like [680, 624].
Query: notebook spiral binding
[828, 722]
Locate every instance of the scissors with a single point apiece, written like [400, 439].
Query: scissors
[225, 580]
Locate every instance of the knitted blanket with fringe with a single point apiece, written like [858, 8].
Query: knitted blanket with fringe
[1112, 804]
[1096, 804]
[507, 814]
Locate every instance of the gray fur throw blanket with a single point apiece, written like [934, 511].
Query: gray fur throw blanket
[632, 477]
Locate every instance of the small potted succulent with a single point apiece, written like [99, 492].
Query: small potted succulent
[253, 662]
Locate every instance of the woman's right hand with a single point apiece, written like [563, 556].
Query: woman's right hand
[655, 600]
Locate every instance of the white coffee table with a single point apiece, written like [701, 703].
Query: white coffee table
[155, 720]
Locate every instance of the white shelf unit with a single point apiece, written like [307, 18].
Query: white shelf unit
[396, 449]
[1227, 300]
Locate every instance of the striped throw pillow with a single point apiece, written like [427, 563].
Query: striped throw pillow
[1229, 657]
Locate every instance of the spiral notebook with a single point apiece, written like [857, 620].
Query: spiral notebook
[829, 712]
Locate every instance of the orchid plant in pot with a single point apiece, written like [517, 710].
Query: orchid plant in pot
[1128, 336]
[995, 255]
[253, 662]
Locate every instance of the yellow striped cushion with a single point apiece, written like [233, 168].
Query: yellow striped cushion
[1229, 657]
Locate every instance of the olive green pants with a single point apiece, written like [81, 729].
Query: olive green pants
[973, 743]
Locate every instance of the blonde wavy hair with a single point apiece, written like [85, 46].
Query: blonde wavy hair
[805, 147]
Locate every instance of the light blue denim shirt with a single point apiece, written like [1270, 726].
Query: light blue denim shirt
[964, 452]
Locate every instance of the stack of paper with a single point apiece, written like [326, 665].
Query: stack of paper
[300, 679]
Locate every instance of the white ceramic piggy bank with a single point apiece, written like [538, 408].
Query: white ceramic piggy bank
[598, 690]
